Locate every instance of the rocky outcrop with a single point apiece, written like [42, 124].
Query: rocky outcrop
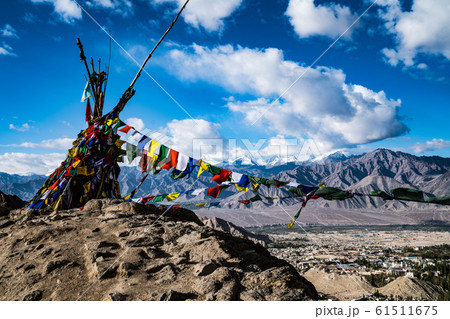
[9, 202]
[226, 226]
[116, 250]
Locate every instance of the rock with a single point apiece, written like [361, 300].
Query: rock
[173, 295]
[116, 296]
[220, 224]
[3, 235]
[52, 265]
[5, 223]
[9, 202]
[204, 269]
[34, 296]
[176, 258]
[96, 230]
[29, 267]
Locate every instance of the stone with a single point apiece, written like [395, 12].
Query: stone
[34, 296]
[116, 296]
[52, 265]
[204, 269]
[5, 223]
[173, 295]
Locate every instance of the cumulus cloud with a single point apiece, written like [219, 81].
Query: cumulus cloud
[206, 13]
[329, 19]
[9, 31]
[67, 10]
[135, 122]
[320, 105]
[424, 29]
[434, 144]
[22, 128]
[56, 144]
[25, 164]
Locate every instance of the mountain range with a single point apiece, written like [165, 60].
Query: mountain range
[380, 169]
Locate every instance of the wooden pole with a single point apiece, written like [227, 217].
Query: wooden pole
[83, 58]
[157, 44]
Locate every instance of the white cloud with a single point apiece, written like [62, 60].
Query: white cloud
[25, 164]
[329, 20]
[434, 144]
[424, 29]
[56, 144]
[135, 122]
[206, 13]
[6, 50]
[24, 127]
[123, 7]
[9, 31]
[335, 114]
[193, 137]
[68, 10]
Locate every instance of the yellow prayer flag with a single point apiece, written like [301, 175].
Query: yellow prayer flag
[172, 196]
[291, 224]
[201, 204]
[87, 187]
[77, 162]
[255, 186]
[240, 189]
[202, 167]
[321, 185]
[57, 205]
[151, 154]
[82, 170]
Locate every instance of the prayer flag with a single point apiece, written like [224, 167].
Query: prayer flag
[202, 167]
[172, 196]
[86, 93]
[88, 116]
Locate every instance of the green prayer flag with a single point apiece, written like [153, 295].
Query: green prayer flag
[163, 156]
[440, 200]
[408, 194]
[159, 198]
[296, 191]
[332, 193]
[213, 170]
[381, 194]
[255, 198]
[131, 152]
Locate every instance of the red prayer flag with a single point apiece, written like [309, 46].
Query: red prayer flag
[222, 177]
[88, 111]
[125, 129]
[214, 191]
[144, 161]
[245, 201]
[173, 160]
[147, 199]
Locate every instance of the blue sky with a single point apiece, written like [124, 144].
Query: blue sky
[239, 68]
